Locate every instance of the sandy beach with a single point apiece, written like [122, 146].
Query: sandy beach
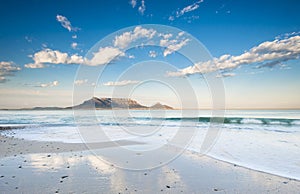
[52, 167]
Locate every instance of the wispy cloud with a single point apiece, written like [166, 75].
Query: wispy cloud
[185, 10]
[142, 7]
[266, 54]
[188, 8]
[121, 83]
[133, 3]
[66, 23]
[74, 45]
[172, 45]
[80, 82]
[104, 56]
[152, 54]
[131, 56]
[46, 85]
[225, 75]
[7, 68]
[287, 35]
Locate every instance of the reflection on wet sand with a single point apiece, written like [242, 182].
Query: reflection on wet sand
[81, 171]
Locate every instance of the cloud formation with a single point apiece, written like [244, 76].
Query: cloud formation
[266, 54]
[80, 82]
[104, 56]
[229, 74]
[47, 85]
[107, 54]
[133, 3]
[7, 68]
[142, 7]
[172, 45]
[48, 56]
[121, 83]
[123, 40]
[74, 45]
[152, 54]
[66, 23]
[186, 9]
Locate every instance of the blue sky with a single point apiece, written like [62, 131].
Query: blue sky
[224, 27]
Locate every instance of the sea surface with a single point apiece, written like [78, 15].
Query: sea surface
[263, 140]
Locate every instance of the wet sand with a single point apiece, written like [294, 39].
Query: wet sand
[10, 146]
[52, 167]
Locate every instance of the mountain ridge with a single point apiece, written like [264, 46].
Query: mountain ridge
[105, 104]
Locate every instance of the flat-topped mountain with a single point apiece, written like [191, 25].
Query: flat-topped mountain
[116, 103]
[108, 103]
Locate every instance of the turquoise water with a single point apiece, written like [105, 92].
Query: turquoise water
[265, 140]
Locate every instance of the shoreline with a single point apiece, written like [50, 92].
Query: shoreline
[191, 171]
[38, 147]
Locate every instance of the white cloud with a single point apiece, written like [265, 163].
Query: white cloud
[66, 23]
[142, 7]
[133, 3]
[121, 83]
[74, 45]
[104, 56]
[7, 68]
[80, 82]
[34, 65]
[46, 85]
[186, 9]
[152, 54]
[53, 57]
[180, 34]
[48, 56]
[171, 18]
[189, 8]
[131, 56]
[287, 35]
[267, 54]
[166, 36]
[126, 38]
[172, 45]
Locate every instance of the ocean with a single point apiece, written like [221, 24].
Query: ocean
[263, 140]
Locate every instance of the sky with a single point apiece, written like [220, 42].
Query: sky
[251, 48]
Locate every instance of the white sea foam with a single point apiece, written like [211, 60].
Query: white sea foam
[271, 146]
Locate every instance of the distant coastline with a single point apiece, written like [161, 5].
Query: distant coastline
[105, 104]
[127, 103]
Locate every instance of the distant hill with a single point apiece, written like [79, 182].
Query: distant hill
[160, 106]
[108, 103]
[104, 103]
